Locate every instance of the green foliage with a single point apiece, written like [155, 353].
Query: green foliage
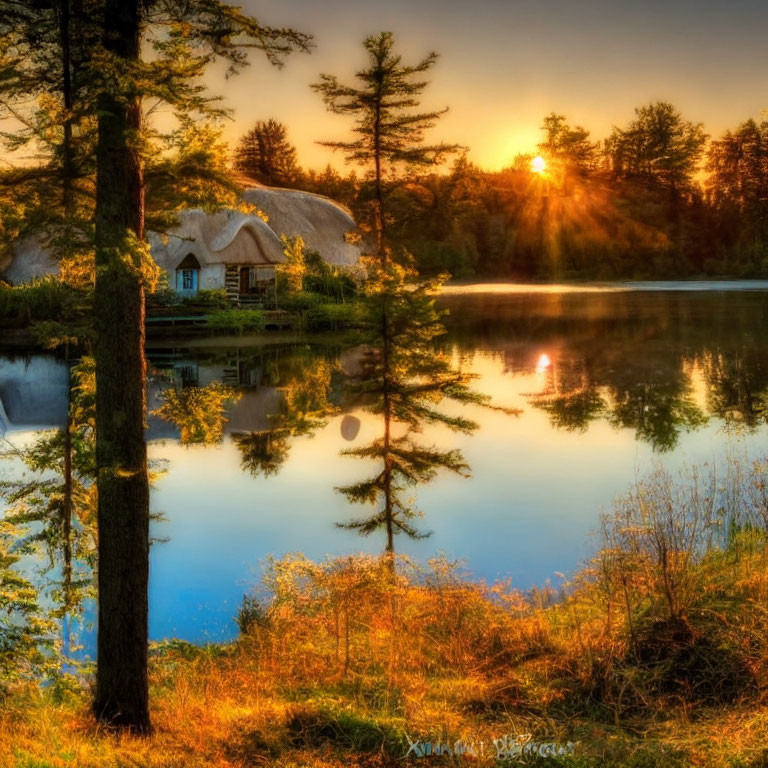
[306, 276]
[336, 284]
[403, 380]
[295, 266]
[317, 313]
[198, 412]
[333, 317]
[236, 320]
[302, 302]
[44, 299]
[207, 299]
[189, 169]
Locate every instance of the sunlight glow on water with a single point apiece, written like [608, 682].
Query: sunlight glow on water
[565, 288]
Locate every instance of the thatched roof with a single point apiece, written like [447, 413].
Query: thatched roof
[323, 224]
[227, 237]
[224, 237]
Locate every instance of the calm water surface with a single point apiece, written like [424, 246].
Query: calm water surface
[607, 381]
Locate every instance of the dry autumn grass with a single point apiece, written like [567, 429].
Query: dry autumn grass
[656, 654]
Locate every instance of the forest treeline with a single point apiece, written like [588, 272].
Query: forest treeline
[658, 198]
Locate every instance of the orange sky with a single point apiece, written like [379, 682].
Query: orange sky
[506, 63]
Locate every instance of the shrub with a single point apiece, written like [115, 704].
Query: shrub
[337, 285]
[236, 320]
[45, 299]
[692, 665]
[210, 299]
[332, 317]
[251, 614]
[301, 302]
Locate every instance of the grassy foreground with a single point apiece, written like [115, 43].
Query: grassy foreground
[655, 654]
[213, 710]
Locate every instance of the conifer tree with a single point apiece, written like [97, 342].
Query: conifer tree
[389, 131]
[83, 60]
[47, 104]
[406, 375]
[404, 380]
[265, 154]
[185, 37]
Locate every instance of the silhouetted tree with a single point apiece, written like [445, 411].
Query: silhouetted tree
[264, 154]
[738, 188]
[568, 147]
[658, 145]
[389, 131]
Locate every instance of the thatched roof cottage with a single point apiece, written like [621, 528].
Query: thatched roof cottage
[227, 249]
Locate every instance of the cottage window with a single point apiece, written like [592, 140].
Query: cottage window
[187, 275]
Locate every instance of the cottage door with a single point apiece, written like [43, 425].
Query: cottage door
[244, 280]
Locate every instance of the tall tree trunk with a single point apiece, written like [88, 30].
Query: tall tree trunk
[378, 179]
[123, 507]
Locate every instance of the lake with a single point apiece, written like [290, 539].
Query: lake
[608, 380]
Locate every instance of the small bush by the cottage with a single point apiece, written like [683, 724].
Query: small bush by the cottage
[236, 320]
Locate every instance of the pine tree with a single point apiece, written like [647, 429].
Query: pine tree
[389, 129]
[406, 376]
[47, 102]
[79, 64]
[265, 154]
[122, 698]
[404, 380]
[195, 33]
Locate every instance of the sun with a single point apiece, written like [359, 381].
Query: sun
[538, 164]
